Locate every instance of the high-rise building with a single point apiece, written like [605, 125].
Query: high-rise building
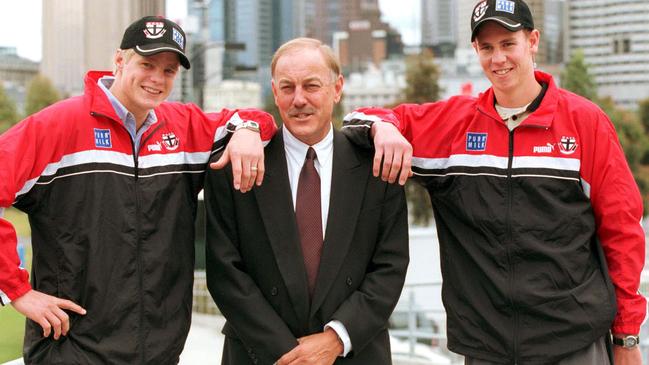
[614, 36]
[538, 12]
[439, 28]
[555, 29]
[80, 35]
[356, 19]
[361, 37]
[258, 26]
[323, 18]
[464, 13]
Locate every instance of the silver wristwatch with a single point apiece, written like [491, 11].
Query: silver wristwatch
[248, 124]
[628, 342]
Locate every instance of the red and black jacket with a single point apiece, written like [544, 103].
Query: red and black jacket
[531, 222]
[112, 230]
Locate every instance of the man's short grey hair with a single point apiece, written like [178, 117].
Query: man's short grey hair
[301, 43]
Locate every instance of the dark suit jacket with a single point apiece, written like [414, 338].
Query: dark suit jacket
[256, 274]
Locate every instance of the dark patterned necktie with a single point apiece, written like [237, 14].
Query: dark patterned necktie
[309, 217]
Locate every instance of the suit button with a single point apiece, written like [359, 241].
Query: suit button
[273, 291]
[349, 281]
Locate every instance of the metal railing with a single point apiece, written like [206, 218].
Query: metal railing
[203, 302]
[436, 337]
[431, 333]
[424, 324]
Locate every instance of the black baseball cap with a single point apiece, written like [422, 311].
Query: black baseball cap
[513, 15]
[155, 34]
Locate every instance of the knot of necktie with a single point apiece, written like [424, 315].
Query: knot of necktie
[310, 154]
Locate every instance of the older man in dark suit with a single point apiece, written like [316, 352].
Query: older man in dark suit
[308, 267]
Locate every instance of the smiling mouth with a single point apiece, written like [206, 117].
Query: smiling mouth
[502, 72]
[301, 113]
[151, 90]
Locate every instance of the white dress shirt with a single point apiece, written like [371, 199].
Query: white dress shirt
[295, 156]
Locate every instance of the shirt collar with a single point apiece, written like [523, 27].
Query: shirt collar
[105, 83]
[295, 147]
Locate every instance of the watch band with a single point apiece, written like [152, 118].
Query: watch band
[248, 124]
[627, 342]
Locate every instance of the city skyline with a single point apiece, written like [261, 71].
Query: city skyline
[21, 23]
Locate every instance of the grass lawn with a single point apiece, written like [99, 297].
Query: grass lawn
[12, 323]
[19, 220]
[11, 335]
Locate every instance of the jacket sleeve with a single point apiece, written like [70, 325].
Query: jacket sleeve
[418, 123]
[220, 126]
[358, 124]
[238, 297]
[367, 310]
[617, 206]
[414, 121]
[18, 171]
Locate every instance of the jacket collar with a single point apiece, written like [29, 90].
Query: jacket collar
[541, 117]
[99, 103]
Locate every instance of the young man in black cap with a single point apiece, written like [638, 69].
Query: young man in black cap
[110, 181]
[536, 209]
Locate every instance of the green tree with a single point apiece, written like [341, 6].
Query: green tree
[576, 77]
[8, 114]
[271, 108]
[629, 130]
[422, 76]
[40, 94]
[422, 86]
[643, 113]
[634, 141]
[339, 112]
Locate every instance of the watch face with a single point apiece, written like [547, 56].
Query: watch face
[630, 341]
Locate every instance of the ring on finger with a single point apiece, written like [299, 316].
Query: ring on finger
[253, 168]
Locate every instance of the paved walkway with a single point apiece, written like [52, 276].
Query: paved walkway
[205, 341]
[205, 344]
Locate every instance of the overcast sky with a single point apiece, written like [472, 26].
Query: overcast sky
[20, 22]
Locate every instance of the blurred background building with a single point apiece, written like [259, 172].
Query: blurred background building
[15, 73]
[614, 36]
[439, 26]
[79, 35]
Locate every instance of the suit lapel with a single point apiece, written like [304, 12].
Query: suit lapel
[348, 182]
[276, 207]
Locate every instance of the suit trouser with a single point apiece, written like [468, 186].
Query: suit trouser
[595, 354]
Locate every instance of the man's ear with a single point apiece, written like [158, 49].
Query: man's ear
[534, 38]
[273, 87]
[118, 61]
[338, 87]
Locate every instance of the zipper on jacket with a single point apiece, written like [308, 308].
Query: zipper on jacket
[138, 251]
[510, 243]
[140, 263]
[138, 246]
